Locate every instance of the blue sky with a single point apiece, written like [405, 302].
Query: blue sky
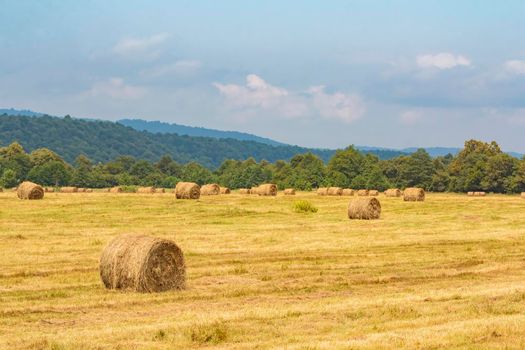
[321, 74]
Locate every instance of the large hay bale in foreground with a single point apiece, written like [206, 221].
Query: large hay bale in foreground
[116, 189]
[393, 192]
[348, 192]
[362, 193]
[335, 191]
[322, 191]
[373, 193]
[210, 190]
[146, 189]
[187, 190]
[224, 190]
[414, 194]
[143, 264]
[267, 190]
[479, 194]
[30, 190]
[244, 191]
[69, 189]
[365, 208]
[289, 192]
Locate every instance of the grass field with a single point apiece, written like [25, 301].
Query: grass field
[445, 273]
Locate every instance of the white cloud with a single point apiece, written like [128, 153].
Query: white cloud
[116, 88]
[179, 67]
[410, 117]
[148, 46]
[443, 60]
[515, 66]
[346, 108]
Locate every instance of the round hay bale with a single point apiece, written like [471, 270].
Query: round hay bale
[30, 190]
[244, 191]
[225, 190]
[267, 190]
[335, 191]
[253, 190]
[116, 189]
[322, 191]
[1, 189]
[393, 192]
[414, 194]
[142, 264]
[187, 190]
[81, 190]
[480, 194]
[147, 189]
[89, 190]
[348, 192]
[160, 190]
[365, 208]
[523, 195]
[49, 189]
[69, 189]
[210, 190]
[470, 193]
[289, 192]
[373, 193]
[362, 193]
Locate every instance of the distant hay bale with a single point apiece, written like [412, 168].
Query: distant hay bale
[289, 192]
[29, 190]
[69, 189]
[116, 189]
[187, 190]
[335, 191]
[470, 193]
[322, 191]
[244, 191]
[160, 190]
[48, 189]
[362, 193]
[81, 190]
[146, 189]
[523, 195]
[267, 190]
[393, 192]
[225, 190]
[414, 194]
[89, 190]
[479, 194]
[142, 264]
[348, 192]
[253, 190]
[364, 208]
[373, 193]
[1, 189]
[210, 190]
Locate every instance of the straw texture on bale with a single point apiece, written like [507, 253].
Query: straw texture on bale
[30, 190]
[116, 189]
[244, 190]
[147, 189]
[142, 264]
[267, 190]
[289, 192]
[160, 190]
[364, 208]
[335, 191]
[414, 194]
[393, 192]
[373, 193]
[479, 194]
[362, 193]
[69, 189]
[523, 195]
[210, 190]
[187, 190]
[348, 192]
[322, 191]
[224, 190]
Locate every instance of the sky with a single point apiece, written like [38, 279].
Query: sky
[313, 73]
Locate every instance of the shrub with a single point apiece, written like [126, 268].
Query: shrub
[208, 333]
[304, 207]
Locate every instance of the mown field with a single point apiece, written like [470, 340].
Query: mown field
[445, 273]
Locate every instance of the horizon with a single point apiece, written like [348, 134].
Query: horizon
[382, 74]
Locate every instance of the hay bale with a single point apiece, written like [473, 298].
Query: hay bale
[81, 190]
[69, 189]
[470, 193]
[480, 194]
[147, 189]
[244, 191]
[362, 193]
[364, 208]
[187, 190]
[49, 189]
[1, 189]
[29, 190]
[322, 191]
[373, 193]
[523, 195]
[267, 190]
[253, 190]
[348, 192]
[225, 190]
[89, 190]
[289, 192]
[414, 194]
[335, 191]
[393, 192]
[210, 190]
[160, 190]
[142, 264]
[116, 189]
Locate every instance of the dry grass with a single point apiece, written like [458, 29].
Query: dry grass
[445, 273]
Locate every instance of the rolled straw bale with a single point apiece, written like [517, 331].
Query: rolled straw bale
[322, 191]
[187, 190]
[253, 190]
[414, 194]
[479, 194]
[470, 193]
[393, 192]
[81, 190]
[49, 189]
[289, 192]
[1, 189]
[244, 191]
[373, 193]
[147, 189]
[160, 190]
[335, 191]
[142, 264]
[523, 195]
[348, 192]
[267, 190]
[210, 190]
[365, 208]
[362, 193]
[30, 190]
[225, 190]
[89, 190]
[69, 189]
[116, 189]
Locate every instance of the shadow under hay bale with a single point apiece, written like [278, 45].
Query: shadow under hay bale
[142, 264]
[335, 191]
[393, 192]
[210, 190]
[322, 191]
[29, 190]
[348, 192]
[187, 190]
[289, 192]
[414, 194]
[267, 190]
[147, 190]
[362, 193]
[224, 190]
[364, 208]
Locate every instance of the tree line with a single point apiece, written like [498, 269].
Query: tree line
[479, 166]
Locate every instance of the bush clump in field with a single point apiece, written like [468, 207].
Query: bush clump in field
[208, 333]
[304, 207]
